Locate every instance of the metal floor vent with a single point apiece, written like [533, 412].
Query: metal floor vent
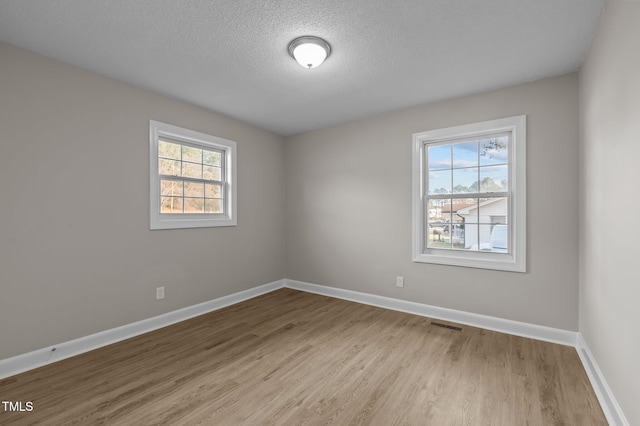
[450, 327]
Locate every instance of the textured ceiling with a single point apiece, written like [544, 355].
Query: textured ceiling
[230, 56]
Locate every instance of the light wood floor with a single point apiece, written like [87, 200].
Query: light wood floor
[295, 358]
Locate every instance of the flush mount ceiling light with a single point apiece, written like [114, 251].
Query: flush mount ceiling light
[309, 51]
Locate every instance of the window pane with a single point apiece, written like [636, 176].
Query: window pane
[439, 157]
[193, 189]
[192, 170]
[440, 182]
[499, 239]
[494, 210]
[485, 237]
[456, 231]
[494, 151]
[212, 158]
[438, 239]
[494, 178]
[466, 209]
[437, 214]
[171, 187]
[193, 205]
[465, 180]
[499, 220]
[493, 216]
[191, 154]
[439, 218]
[448, 209]
[168, 150]
[212, 173]
[465, 154]
[169, 167]
[212, 191]
[170, 205]
[213, 206]
[463, 213]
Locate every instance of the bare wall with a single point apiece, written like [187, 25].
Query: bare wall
[609, 202]
[76, 253]
[349, 207]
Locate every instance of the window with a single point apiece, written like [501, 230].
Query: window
[193, 178]
[469, 195]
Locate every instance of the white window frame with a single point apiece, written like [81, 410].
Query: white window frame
[515, 260]
[159, 130]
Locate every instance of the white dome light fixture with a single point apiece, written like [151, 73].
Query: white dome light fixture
[309, 51]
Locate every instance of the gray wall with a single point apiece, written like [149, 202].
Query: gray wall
[349, 207]
[76, 253]
[610, 202]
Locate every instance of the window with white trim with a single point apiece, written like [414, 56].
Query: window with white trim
[469, 195]
[192, 178]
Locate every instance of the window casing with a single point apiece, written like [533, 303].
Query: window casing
[469, 195]
[192, 178]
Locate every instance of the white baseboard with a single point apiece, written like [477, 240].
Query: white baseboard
[38, 358]
[532, 331]
[608, 402]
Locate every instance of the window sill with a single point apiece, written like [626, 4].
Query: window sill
[192, 221]
[495, 261]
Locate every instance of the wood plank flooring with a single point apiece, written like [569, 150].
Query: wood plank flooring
[294, 358]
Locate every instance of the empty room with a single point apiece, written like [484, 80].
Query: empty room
[309, 213]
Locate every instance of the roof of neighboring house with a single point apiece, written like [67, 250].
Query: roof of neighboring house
[464, 207]
[447, 208]
[467, 209]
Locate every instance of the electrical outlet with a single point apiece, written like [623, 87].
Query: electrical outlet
[399, 281]
[159, 293]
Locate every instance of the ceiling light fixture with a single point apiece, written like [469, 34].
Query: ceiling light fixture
[309, 51]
